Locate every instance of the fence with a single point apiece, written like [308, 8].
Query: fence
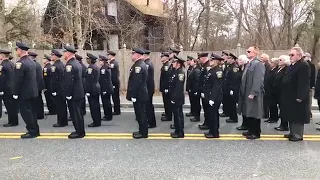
[124, 59]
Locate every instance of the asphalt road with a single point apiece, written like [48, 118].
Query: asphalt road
[164, 158]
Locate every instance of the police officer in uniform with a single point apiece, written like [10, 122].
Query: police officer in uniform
[6, 88]
[26, 90]
[93, 90]
[213, 95]
[38, 104]
[48, 91]
[84, 74]
[115, 73]
[74, 91]
[205, 66]
[224, 66]
[106, 88]
[192, 87]
[150, 85]
[137, 90]
[231, 87]
[57, 78]
[176, 90]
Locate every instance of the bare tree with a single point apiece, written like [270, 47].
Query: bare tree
[316, 42]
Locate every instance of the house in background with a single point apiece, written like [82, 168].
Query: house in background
[131, 22]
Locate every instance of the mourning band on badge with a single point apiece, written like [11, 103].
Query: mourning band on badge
[235, 70]
[68, 68]
[103, 71]
[89, 70]
[137, 69]
[219, 74]
[18, 65]
[181, 77]
[53, 69]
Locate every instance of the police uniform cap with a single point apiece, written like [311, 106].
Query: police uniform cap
[225, 53]
[103, 58]
[189, 58]
[203, 54]
[3, 51]
[233, 56]
[179, 59]
[174, 50]
[146, 51]
[91, 56]
[69, 49]
[56, 53]
[164, 54]
[33, 54]
[216, 57]
[111, 53]
[47, 57]
[22, 46]
[138, 50]
[78, 57]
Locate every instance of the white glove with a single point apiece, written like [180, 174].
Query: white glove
[133, 99]
[113, 87]
[104, 93]
[54, 94]
[231, 92]
[172, 102]
[211, 102]
[189, 90]
[1, 93]
[44, 90]
[202, 95]
[69, 97]
[166, 91]
[195, 93]
[15, 96]
[88, 94]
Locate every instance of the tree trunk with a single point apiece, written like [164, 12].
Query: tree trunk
[78, 26]
[316, 43]
[239, 22]
[258, 37]
[206, 30]
[2, 21]
[198, 26]
[176, 18]
[264, 8]
[185, 23]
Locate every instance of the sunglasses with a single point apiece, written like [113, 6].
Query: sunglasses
[291, 55]
[248, 51]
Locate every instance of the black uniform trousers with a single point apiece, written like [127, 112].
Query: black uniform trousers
[141, 115]
[205, 106]
[178, 119]
[254, 126]
[231, 105]
[213, 118]
[284, 122]
[12, 109]
[38, 107]
[26, 111]
[151, 117]
[167, 105]
[1, 107]
[116, 99]
[195, 104]
[61, 107]
[95, 110]
[76, 115]
[83, 106]
[266, 111]
[50, 103]
[274, 114]
[225, 105]
[107, 106]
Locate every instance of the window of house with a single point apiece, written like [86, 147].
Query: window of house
[112, 8]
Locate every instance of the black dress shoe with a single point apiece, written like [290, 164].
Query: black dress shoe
[210, 135]
[231, 121]
[272, 121]
[9, 125]
[28, 136]
[287, 136]
[281, 129]
[75, 136]
[252, 136]
[267, 120]
[318, 123]
[172, 126]
[294, 139]
[69, 119]
[242, 128]
[195, 119]
[203, 127]
[163, 114]
[106, 119]
[163, 118]
[318, 129]
[247, 133]
[138, 135]
[60, 125]
[151, 126]
[94, 125]
[176, 135]
[189, 114]
[116, 113]
[223, 115]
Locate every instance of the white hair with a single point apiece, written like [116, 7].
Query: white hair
[286, 59]
[243, 58]
[274, 60]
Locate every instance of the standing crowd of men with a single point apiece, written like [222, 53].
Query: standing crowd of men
[252, 86]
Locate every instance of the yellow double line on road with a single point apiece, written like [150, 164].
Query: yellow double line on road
[154, 136]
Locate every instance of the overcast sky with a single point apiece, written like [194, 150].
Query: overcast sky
[40, 4]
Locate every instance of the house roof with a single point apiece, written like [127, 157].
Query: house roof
[155, 7]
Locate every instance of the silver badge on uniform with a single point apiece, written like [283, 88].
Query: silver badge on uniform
[45, 70]
[147, 66]
[89, 70]
[111, 65]
[68, 68]
[18, 65]
[1, 68]
[137, 69]
[235, 69]
[219, 74]
[103, 71]
[166, 68]
[53, 69]
[181, 76]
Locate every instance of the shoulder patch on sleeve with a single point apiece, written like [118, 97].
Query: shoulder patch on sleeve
[181, 77]
[219, 74]
[137, 69]
[68, 68]
[53, 69]
[89, 70]
[18, 65]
